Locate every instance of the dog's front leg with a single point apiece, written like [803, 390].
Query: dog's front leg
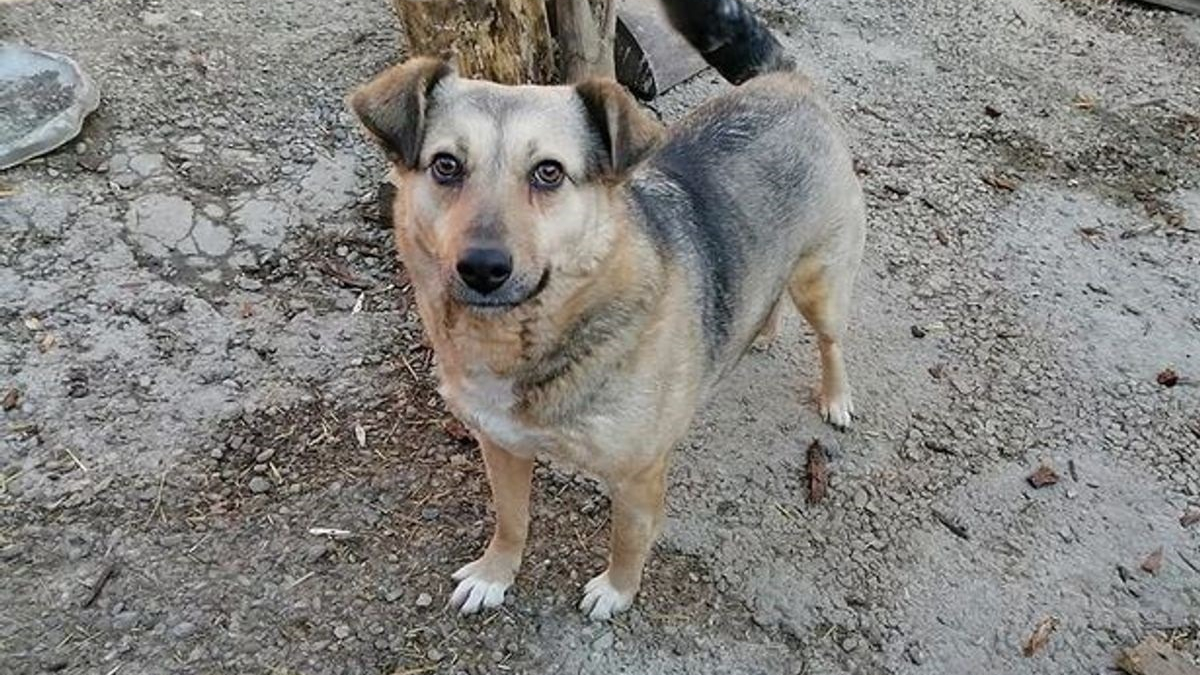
[483, 582]
[637, 516]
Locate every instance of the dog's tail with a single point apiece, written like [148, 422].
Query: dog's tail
[729, 37]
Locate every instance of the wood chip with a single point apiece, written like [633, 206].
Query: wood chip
[1168, 378]
[1190, 518]
[360, 434]
[818, 472]
[953, 524]
[335, 532]
[1040, 636]
[1154, 656]
[1001, 182]
[1153, 562]
[1044, 476]
[12, 399]
[344, 276]
[456, 430]
[98, 584]
[1084, 102]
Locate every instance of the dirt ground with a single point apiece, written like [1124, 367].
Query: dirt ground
[207, 350]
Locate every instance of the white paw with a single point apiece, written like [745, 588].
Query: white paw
[838, 410]
[479, 585]
[601, 600]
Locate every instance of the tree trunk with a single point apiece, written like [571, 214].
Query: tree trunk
[507, 41]
[585, 31]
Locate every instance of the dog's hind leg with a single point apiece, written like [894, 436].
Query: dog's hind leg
[637, 517]
[770, 328]
[820, 287]
[483, 582]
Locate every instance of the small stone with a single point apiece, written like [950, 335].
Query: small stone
[125, 620]
[316, 552]
[435, 655]
[604, 642]
[183, 630]
[211, 239]
[126, 180]
[260, 468]
[265, 456]
[155, 19]
[430, 513]
[342, 631]
[424, 600]
[248, 284]
[216, 453]
[259, 485]
[146, 164]
[394, 594]
[918, 331]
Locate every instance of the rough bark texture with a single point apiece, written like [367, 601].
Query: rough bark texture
[506, 41]
[585, 30]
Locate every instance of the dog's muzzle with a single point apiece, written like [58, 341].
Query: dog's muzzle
[494, 287]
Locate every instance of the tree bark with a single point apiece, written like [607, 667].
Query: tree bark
[506, 41]
[585, 30]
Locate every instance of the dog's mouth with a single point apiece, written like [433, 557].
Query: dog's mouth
[503, 299]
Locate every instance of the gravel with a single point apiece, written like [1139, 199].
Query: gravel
[173, 320]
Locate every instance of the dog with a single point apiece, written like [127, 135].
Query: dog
[586, 276]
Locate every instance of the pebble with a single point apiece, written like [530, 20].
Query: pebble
[146, 164]
[604, 642]
[264, 456]
[259, 485]
[216, 453]
[248, 284]
[342, 631]
[125, 620]
[183, 630]
[424, 600]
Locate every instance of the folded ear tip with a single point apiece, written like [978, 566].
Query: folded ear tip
[391, 106]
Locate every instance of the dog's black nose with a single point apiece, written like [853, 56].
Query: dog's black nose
[484, 269]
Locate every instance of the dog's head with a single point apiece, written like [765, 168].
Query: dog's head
[503, 188]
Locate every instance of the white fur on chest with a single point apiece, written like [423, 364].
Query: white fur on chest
[485, 402]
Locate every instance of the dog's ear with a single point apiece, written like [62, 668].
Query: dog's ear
[393, 106]
[625, 132]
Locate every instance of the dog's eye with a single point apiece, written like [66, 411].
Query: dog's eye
[445, 168]
[548, 175]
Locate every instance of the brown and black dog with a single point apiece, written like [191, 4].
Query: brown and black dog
[586, 276]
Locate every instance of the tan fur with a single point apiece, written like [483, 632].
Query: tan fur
[531, 380]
